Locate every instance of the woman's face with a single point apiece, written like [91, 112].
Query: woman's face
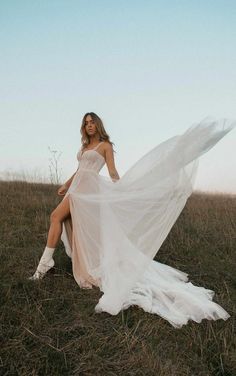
[90, 126]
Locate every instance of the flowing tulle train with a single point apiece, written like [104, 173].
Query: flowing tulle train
[166, 292]
[119, 227]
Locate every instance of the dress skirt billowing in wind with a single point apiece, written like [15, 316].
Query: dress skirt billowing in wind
[117, 228]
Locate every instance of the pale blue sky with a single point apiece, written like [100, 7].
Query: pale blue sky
[148, 68]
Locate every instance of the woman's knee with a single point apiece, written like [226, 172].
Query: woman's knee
[61, 212]
[54, 216]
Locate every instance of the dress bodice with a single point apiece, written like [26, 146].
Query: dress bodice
[90, 159]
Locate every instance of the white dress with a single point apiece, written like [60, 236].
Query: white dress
[117, 228]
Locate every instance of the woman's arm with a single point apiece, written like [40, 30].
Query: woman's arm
[64, 188]
[68, 182]
[109, 157]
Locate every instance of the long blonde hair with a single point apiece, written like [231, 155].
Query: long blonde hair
[103, 136]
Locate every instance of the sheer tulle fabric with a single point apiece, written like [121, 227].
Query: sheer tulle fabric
[116, 228]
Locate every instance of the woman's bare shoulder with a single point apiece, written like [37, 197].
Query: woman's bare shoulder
[108, 145]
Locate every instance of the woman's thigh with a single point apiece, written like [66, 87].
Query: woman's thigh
[62, 211]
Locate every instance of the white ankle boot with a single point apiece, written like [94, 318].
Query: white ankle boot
[46, 262]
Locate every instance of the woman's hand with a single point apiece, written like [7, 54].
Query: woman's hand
[62, 190]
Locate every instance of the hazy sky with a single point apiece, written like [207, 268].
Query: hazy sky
[148, 68]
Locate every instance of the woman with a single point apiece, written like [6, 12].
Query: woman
[93, 136]
[113, 231]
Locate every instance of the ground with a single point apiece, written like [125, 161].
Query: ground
[49, 327]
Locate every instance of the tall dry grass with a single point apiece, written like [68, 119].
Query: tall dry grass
[49, 327]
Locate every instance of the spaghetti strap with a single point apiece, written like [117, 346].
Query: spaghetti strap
[97, 145]
[82, 151]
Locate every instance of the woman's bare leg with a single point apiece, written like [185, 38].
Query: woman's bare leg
[61, 212]
[46, 262]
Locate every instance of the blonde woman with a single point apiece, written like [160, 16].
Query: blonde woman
[112, 228]
[94, 138]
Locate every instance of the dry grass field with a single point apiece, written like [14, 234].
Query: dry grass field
[49, 327]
